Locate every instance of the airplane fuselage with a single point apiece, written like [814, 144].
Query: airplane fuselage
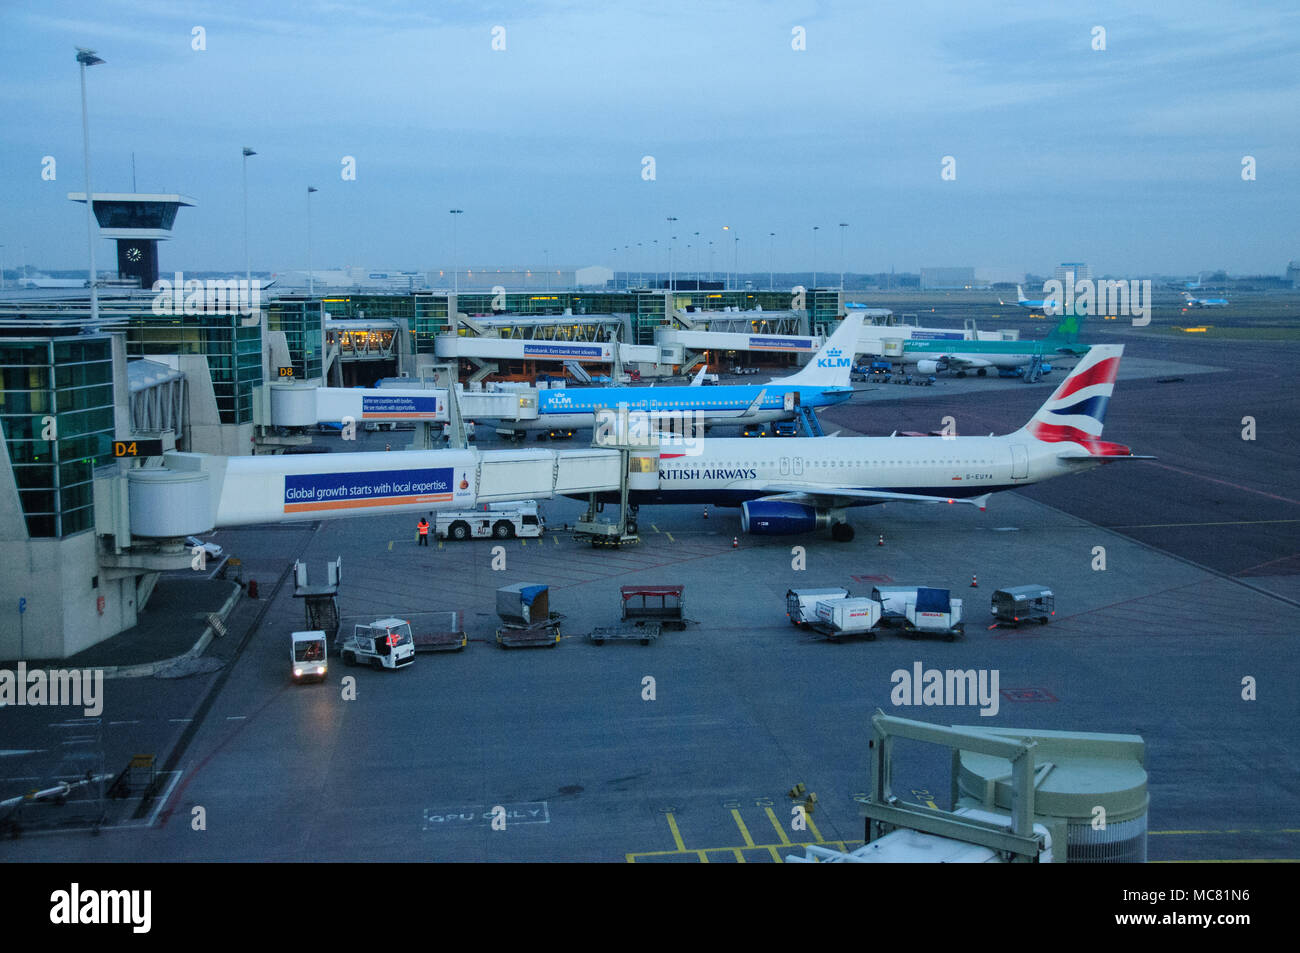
[957, 467]
[577, 407]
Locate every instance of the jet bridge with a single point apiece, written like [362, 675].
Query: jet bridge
[306, 404]
[194, 493]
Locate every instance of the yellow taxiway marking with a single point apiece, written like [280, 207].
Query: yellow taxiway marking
[780, 831]
[523, 542]
[670, 537]
[744, 831]
[812, 827]
[440, 544]
[740, 858]
[654, 527]
[390, 545]
[557, 540]
[677, 835]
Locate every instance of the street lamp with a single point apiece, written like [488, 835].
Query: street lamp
[88, 58]
[843, 225]
[248, 271]
[455, 272]
[771, 258]
[671, 219]
[546, 259]
[726, 228]
[815, 230]
[311, 275]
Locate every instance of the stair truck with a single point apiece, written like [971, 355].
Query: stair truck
[384, 643]
[308, 656]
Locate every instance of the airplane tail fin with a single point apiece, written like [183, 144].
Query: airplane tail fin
[1076, 411]
[1020, 294]
[832, 365]
[1067, 331]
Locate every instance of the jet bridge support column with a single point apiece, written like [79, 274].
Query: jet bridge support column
[638, 470]
[321, 602]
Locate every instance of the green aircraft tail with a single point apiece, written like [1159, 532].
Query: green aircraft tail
[1065, 336]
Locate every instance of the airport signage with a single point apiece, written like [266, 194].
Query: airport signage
[582, 353]
[763, 342]
[399, 408]
[323, 492]
[937, 336]
[286, 371]
[137, 448]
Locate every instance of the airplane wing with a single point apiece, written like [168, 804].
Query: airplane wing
[963, 363]
[698, 380]
[817, 494]
[755, 404]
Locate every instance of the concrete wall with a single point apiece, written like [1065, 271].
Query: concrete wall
[207, 434]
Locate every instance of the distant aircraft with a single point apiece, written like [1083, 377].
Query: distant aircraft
[931, 356]
[1040, 305]
[801, 484]
[1205, 302]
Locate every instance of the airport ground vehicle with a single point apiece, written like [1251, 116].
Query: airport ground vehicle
[526, 616]
[933, 612]
[1016, 604]
[557, 433]
[498, 521]
[441, 632]
[469, 430]
[384, 643]
[647, 611]
[801, 604]
[785, 428]
[308, 656]
[836, 618]
[754, 430]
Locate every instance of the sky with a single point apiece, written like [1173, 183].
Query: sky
[1129, 157]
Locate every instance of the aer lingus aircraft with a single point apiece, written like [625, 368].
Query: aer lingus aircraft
[805, 483]
[932, 356]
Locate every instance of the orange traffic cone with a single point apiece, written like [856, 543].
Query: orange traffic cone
[706, 512]
[735, 543]
[974, 584]
[881, 541]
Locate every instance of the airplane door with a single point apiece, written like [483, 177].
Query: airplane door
[1019, 462]
[785, 466]
[798, 466]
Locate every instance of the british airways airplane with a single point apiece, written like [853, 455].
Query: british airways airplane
[822, 382]
[802, 484]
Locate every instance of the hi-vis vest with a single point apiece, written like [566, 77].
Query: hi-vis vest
[423, 527]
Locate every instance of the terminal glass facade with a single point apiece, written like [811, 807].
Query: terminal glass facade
[300, 320]
[234, 352]
[56, 408]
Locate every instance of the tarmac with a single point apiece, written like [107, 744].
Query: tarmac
[588, 760]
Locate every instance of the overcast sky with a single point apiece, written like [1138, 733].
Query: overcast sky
[1128, 158]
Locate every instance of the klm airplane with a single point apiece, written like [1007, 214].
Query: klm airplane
[822, 382]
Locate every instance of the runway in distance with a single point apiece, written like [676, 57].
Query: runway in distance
[822, 382]
[798, 485]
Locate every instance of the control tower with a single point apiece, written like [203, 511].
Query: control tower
[138, 222]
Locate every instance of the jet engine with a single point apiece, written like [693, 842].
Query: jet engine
[930, 367]
[780, 517]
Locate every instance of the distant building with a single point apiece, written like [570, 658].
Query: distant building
[1080, 269]
[1293, 273]
[950, 279]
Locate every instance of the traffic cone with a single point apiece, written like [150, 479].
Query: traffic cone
[735, 543]
[706, 512]
[974, 584]
[881, 541]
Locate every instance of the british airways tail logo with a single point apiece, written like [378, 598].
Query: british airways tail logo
[834, 358]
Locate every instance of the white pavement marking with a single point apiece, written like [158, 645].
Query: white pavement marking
[136, 722]
[179, 720]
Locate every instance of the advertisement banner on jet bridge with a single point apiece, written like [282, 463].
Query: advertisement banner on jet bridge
[580, 352]
[765, 343]
[325, 492]
[383, 406]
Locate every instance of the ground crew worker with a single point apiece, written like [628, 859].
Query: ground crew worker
[423, 528]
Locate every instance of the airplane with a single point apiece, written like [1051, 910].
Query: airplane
[822, 382]
[931, 356]
[1205, 302]
[1043, 304]
[805, 483]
